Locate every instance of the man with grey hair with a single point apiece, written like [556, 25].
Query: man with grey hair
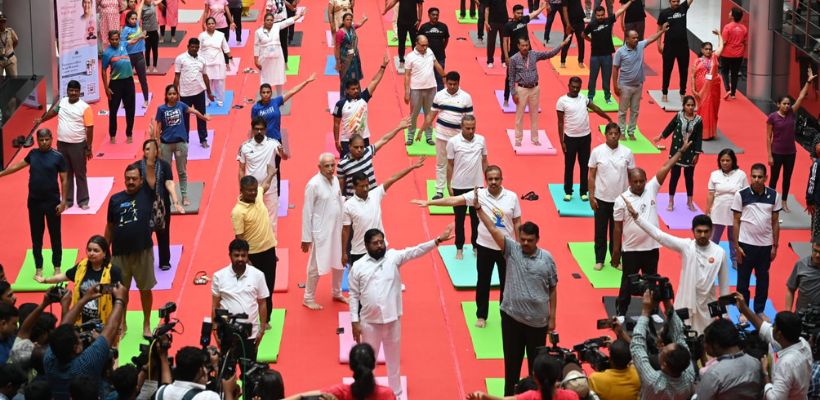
[322, 231]
[420, 85]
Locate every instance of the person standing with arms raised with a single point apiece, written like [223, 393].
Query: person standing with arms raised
[675, 45]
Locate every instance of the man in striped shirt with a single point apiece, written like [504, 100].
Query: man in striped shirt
[360, 159]
[449, 106]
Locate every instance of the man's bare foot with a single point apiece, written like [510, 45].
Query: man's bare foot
[340, 299]
[480, 323]
[535, 142]
[312, 305]
[57, 271]
[113, 140]
[459, 254]
[563, 65]
[186, 202]
[518, 143]
[38, 273]
[581, 65]
[764, 317]
[665, 98]
[128, 139]
[786, 207]
[726, 96]
[691, 206]
[146, 331]
[266, 327]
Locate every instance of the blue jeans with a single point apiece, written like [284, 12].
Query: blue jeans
[604, 65]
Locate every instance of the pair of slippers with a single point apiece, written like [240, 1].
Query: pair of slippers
[531, 196]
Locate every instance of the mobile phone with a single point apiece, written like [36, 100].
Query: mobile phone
[729, 299]
[105, 288]
[604, 323]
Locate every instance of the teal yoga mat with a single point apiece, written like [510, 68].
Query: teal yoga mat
[463, 273]
[572, 208]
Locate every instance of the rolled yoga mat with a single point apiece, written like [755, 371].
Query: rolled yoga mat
[25, 277]
[463, 273]
[572, 208]
[584, 254]
[99, 189]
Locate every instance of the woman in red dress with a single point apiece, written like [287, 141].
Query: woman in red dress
[706, 86]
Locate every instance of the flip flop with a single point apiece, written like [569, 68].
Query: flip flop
[531, 196]
[201, 278]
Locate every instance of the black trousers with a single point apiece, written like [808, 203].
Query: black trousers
[226, 31]
[730, 70]
[516, 338]
[41, 214]
[403, 30]
[495, 31]
[633, 262]
[604, 224]
[278, 161]
[173, 31]
[125, 93]
[355, 257]
[196, 101]
[532, 5]
[507, 78]
[151, 47]
[292, 28]
[283, 38]
[688, 177]
[138, 61]
[236, 14]
[266, 262]
[757, 259]
[578, 31]
[464, 6]
[675, 52]
[577, 147]
[486, 259]
[480, 23]
[460, 213]
[786, 162]
[552, 10]
[164, 239]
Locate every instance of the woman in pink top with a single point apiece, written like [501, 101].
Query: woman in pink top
[109, 17]
[219, 11]
[735, 35]
[168, 15]
[547, 371]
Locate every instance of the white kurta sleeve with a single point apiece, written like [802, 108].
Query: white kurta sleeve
[307, 213]
[354, 294]
[257, 46]
[414, 252]
[665, 239]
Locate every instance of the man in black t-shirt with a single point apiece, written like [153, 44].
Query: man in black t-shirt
[495, 16]
[438, 36]
[675, 44]
[599, 34]
[129, 232]
[513, 30]
[634, 18]
[407, 23]
[45, 199]
[574, 15]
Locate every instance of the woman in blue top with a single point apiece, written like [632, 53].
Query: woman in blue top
[135, 46]
[268, 108]
[168, 127]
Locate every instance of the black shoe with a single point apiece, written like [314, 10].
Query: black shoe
[438, 196]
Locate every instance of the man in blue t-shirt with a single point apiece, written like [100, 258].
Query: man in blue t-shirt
[119, 87]
[45, 199]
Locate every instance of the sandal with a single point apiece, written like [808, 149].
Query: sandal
[164, 267]
[201, 278]
[531, 196]
[409, 141]
[431, 142]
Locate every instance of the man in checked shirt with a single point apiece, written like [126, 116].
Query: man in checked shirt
[523, 77]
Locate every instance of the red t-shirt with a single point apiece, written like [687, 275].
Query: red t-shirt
[560, 394]
[343, 392]
[735, 35]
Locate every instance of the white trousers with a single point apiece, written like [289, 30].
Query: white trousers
[389, 336]
[313, 282]
[441, 164]
[271, 199]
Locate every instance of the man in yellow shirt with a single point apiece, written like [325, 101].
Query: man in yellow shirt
[621, 382]
[251, 223]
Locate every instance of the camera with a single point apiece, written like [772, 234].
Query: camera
[659, 286]
[565, 355]
[718, 307]
[163, 330]
[56, 293]
[253, 376]
[89, 331]
[810, 319]
[232, 334]
[589, 352]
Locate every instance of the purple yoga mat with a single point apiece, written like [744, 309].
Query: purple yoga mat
[284, 190]
[165, 279]
[232, 39]
[234, 67]
[499, 95]
[197, 152]
[332, 98]
[539, 20]
[120, 150]
[139, 110]
[98, 191]
[681, 218]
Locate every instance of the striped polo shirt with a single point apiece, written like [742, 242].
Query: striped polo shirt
[756, 215]
[349, 166]
[451, 108]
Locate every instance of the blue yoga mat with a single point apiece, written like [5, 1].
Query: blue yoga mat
[732, 271]
[214, 109]
[572, 208]
[734, 314]
[345, 285]
[330, 66]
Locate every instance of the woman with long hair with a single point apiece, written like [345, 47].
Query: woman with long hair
[134, 36]
[150, 24]
[267, 51]
[158, 177]
[685, 126]
[95, 269]
[346, 50]
[270, 387]
[706, 86]
[723, 184]
[546, 371]
[214, 50]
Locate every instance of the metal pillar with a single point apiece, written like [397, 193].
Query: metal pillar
[769, 54]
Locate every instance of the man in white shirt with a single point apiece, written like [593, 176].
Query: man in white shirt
[450, 105]
[420, 85]
[363, 211]
[605, 186]
[757, 232]
[576, 140]
[791, 373]
[322, 231]
[638, 249]
[240, 288]
[466, 162]
[191, 376]
[502, 206]
[255, 155]
[375, 297]
[75, 135]
[192, 83]
[701, 262]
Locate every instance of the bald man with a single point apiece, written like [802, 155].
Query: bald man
[420, 69]
[639, 250]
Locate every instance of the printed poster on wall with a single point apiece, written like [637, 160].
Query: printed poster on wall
[77, 40]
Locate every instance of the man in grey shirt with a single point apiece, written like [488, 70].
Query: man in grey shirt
[530, 296]
[736, 375]
[628, 77]
[805, 277]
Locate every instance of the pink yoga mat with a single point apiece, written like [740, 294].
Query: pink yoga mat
[281, 271]
[139, 110]
[283, 198]
[329, 39]
[195, 150]
[496, 70]
[303, 9]
[382, 381]
[121, 150]
[232, 39]
[234, 66]
[332, 98]
[346, 341]
[98, 191]
[681, 218]
[330, 145]
[527, 148]
[499, 95]
[165, 279]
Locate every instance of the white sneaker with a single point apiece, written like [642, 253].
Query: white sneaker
[657, 319]
[400, 69]
[489, 65]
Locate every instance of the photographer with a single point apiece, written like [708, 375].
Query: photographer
[190, 377]
[66, 358]
[814, 385]
[155, 369]
[805, 279]
[792, 371]
[621, 380]
[8, 327]
[736, 375]
[34, 331]
[676, 378]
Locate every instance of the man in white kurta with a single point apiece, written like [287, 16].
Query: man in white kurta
[375, 297]
[322, 231]
[254, 156]
[701, 262]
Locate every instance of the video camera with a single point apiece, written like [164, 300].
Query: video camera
[718, 308]
[810, 318]
[659, 286]
[231, 335]
[586, 352]
[56, 293]
[163, 330]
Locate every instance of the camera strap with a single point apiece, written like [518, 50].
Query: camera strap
[189, 395]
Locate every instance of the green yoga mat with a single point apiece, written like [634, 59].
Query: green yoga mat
[487, 340]
[268, 351]
[616, 41]
[495, 386]
[431, 191]
[420, 147]
[584, 253]
[600, 101]
[130, 343]
[293, 65]
[25, 278]
[467, 19]
[393, 41]
[572, 208]
[641, 145]
[463, 272]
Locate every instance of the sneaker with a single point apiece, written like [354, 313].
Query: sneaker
[620, 319]
[438, 196]
[567, 197]
[584, 197]
[490, 65]
[657, 319]
[608, 101]
[598, 266]
[219, 103]
[400, 69]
